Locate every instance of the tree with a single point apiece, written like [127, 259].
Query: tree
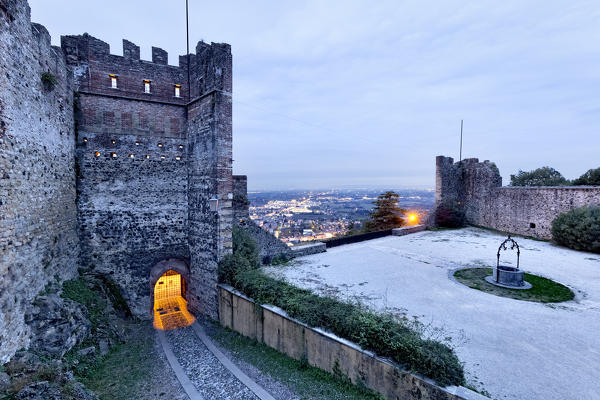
[386, 214]
[545, 176]
[591, 178]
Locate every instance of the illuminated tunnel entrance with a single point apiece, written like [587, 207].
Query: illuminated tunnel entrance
[170, 306]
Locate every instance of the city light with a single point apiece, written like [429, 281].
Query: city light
[300, 217]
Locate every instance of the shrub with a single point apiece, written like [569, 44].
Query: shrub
[377, 332]
[591, 178]
[49, 80]
[245, 256]
[545, 176]
[449, 215]
[578, 229]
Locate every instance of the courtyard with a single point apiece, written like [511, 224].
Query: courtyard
[512, 349]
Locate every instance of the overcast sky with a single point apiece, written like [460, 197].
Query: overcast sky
[367, 93]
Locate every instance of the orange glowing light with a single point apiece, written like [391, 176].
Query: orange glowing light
[170, 308]
[413, 219]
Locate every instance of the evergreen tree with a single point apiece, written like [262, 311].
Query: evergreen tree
[386, 214]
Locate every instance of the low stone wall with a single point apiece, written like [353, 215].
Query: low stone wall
[308, 249]
[361, 237]
[271, 326]
[406, 230]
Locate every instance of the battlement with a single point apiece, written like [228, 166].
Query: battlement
[98, 71]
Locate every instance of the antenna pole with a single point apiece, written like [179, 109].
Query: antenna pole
[187, 37]
[461, 131]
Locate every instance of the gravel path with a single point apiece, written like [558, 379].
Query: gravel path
[276, 388]
[208, 375]
[163, 378]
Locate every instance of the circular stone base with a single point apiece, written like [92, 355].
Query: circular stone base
[490, 279]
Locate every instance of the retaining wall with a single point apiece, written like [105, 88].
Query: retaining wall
[271, 326]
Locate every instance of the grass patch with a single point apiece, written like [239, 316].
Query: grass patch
[543, 290]
[306, 381]
[78, 290]
[121, 373]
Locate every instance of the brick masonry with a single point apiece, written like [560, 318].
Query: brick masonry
[112, 179]
[528, 211]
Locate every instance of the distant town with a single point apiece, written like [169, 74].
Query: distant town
[300, 216]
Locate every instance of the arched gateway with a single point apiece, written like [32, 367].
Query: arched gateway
[168, 295]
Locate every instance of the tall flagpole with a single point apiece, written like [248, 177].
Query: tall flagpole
[187, 34]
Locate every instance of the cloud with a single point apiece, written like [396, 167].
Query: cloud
[327, 93]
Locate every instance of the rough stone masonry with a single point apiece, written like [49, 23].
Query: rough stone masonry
[109, 163]
[529, 211]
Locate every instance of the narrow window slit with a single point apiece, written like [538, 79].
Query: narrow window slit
[147, 86]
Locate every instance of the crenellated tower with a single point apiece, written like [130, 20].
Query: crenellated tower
[154, 162]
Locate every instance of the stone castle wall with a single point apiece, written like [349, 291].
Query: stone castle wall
[210, 179]
[240, 198]
[112, 179]
[530, 211]
[268, 245]
[131, 164]
[150, 163]
[38, 215]
[477, 188]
